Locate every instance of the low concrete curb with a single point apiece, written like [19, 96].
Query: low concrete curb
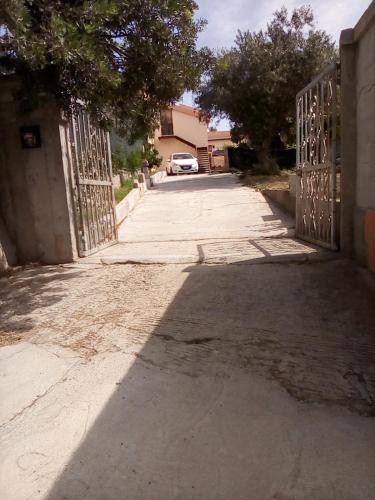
[233, 251]
[283, 198]
[158, 177]
[127, 205]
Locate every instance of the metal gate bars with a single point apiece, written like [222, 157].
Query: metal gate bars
[93, 196]
[317, 123]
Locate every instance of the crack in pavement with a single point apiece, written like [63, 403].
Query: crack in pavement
[39, 397]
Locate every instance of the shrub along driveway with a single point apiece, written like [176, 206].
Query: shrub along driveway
[248, 375]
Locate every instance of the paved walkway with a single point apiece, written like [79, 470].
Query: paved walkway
[247, 372]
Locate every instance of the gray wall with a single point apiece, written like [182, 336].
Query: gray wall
[35, 184]
[7, 249]
[358, 141]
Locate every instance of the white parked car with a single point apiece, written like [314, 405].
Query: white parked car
[182, 163]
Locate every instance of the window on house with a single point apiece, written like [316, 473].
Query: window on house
[166, 122]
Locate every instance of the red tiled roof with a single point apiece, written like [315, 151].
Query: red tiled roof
[219, 135]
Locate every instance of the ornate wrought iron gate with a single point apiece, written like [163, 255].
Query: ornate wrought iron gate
[317, 123]
[93, 196]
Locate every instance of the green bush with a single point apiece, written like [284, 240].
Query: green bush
[152, 156]
[134, 161]
[123, 160]
[119, 159]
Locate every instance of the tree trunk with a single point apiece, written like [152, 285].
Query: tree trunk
[267, 164]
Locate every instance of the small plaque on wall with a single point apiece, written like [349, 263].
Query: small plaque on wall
[30, 137]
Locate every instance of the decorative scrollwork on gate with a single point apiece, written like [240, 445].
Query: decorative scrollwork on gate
[94, 200]
[316, 160]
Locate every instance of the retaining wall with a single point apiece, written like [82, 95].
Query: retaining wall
[283, 198]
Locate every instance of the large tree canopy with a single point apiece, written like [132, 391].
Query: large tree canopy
[255, 83]
[125, 59]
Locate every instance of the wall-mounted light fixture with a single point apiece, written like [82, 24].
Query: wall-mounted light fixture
[30, 137]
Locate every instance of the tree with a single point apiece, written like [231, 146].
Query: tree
[125, 59]
[255, 83]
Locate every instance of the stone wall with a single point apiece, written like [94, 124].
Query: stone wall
[357, 47]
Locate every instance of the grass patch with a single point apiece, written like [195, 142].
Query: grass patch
[261, 182]
[123, 190]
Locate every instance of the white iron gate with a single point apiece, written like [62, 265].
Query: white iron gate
[93, 196]
[317, 124]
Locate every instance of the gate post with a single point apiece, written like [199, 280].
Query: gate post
[35, 191]
[348, 140]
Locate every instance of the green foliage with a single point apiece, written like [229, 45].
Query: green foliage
[119, 159]
[152, 156]
[124, 190]
[134, 161]
[125, 59]
[255, 83]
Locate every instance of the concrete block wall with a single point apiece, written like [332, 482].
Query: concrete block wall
[357, 49]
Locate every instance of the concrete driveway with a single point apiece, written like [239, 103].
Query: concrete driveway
[246, 372]
[202, 218]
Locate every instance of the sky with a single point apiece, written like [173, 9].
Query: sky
[225, 17]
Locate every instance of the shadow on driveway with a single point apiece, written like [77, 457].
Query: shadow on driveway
[242, 391]
[200, 182]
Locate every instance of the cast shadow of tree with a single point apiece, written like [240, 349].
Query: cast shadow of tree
[26, 290]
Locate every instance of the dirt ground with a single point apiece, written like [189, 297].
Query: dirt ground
[261, 182]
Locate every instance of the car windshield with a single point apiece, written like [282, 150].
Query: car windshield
[182, 156]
